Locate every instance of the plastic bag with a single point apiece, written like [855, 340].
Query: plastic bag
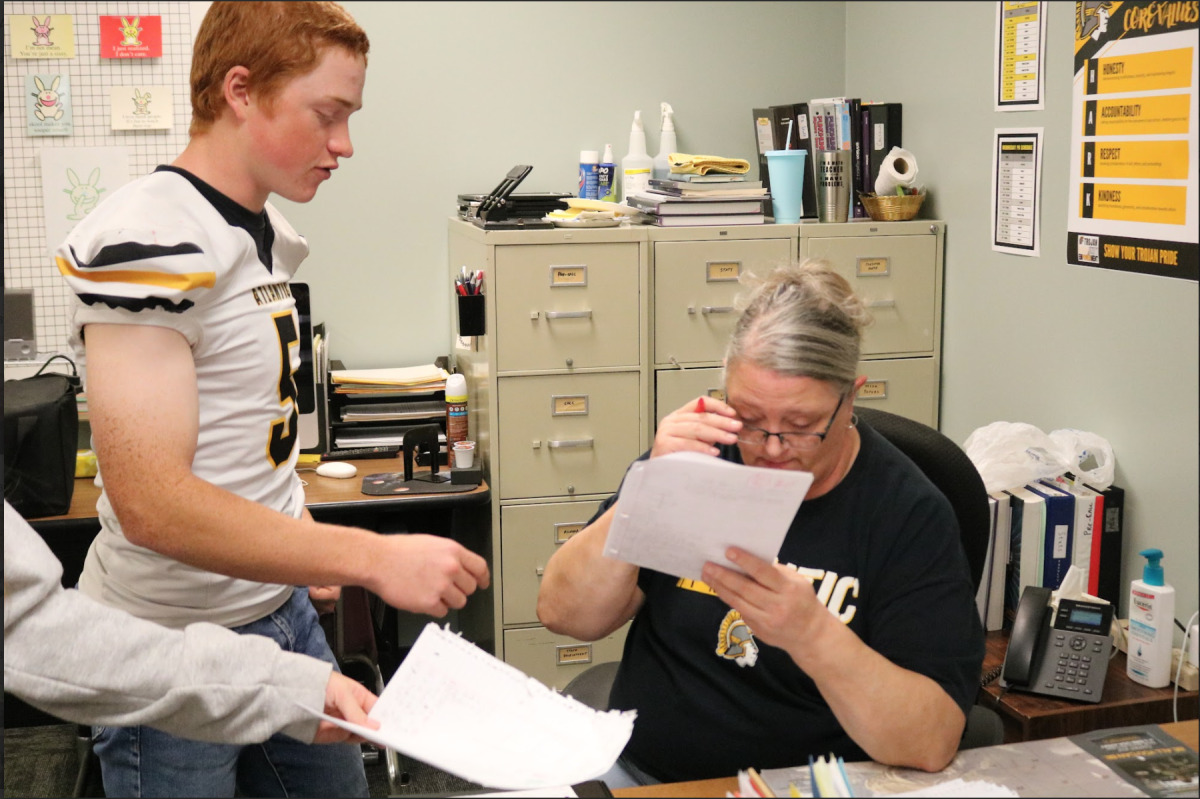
[1090, 457]
[1013, 454]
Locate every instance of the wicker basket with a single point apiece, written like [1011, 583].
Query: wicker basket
[892, 208]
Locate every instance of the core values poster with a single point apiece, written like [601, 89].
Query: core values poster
[1132, 203]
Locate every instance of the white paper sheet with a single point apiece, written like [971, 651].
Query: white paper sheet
[681, 510]
[457, 708]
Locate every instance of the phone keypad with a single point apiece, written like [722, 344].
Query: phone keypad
[1073, 669]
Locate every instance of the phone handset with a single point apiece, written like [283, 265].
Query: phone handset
[1028, 637]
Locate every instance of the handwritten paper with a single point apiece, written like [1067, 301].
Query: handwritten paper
[681, 510]
[457, 708]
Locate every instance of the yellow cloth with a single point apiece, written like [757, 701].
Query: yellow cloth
[703, 164]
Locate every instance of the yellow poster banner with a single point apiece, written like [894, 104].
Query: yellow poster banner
[1163, 205]
[1141, 116]
[1157, 160]
[1144, 72]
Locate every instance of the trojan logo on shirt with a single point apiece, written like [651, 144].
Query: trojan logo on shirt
[735, 641]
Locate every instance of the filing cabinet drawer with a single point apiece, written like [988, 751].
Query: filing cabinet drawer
[895, 277]
[570, 305]
[695, 284]
[674, 387]
[556, 659]
[907, 387]
[529, 536]
[567, 434]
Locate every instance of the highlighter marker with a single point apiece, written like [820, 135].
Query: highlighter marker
[700, 405]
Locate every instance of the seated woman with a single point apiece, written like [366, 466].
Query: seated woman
[862, 639]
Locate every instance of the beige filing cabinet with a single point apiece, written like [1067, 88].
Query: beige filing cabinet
[592, 336]
[896, 267]
[558, 386]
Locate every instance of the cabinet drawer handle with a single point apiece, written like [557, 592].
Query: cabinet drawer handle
[539, 571]
[706, 309]
[569, 314]
[881, 304]
[575, 442]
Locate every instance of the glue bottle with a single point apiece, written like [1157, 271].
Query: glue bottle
[456, 414]
[1151, 624]
[666, 145]
[637, 165]
[606, 178]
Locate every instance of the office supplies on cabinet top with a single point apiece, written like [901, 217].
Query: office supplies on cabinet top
[501, 209]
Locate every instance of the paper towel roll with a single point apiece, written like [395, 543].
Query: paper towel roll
[899, 168]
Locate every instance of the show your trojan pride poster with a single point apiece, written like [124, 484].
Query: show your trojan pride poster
[1132, 203]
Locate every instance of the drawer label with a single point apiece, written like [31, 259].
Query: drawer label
[723, 271]
[873, 389]
[564, 530]
[716, 393]
[574, 275]
[572, 405]
[873, 267]
[573, 653]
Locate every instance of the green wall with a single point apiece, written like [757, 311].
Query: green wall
[1034, 339]
[458, 93]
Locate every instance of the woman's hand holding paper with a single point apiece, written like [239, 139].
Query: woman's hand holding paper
[697, 427]
[777, 603]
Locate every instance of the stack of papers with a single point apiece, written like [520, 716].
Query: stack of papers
[400, 380]
[457, 708]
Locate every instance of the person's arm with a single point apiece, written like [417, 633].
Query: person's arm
[898, 717]
[91, 664]
[587, 595]
[142, 398]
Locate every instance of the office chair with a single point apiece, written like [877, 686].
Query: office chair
[354, 644]
[947, 467]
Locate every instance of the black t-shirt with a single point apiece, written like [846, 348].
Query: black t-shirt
[884, 551]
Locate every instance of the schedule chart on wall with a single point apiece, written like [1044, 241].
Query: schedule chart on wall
[1016, 191]
[1020, 44]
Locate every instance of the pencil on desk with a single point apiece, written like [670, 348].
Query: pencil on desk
[760, 786]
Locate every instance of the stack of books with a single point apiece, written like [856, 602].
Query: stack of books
[713, 199]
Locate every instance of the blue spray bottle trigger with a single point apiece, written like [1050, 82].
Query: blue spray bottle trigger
[1152, 572]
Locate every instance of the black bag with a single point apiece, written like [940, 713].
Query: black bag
[41, 437]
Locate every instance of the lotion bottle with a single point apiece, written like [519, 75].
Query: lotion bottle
[637, 165]
[456, 414]
[666, 145]
[1151, 624]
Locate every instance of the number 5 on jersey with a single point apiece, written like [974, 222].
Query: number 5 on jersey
[284, 429]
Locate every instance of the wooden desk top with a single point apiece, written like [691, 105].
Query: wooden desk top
[327, 493]
[1186, 731]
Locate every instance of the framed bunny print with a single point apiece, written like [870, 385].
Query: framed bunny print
[141, 107]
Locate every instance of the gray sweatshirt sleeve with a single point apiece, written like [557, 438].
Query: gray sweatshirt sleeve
[84, 662]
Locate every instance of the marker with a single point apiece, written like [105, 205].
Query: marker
[700, 405]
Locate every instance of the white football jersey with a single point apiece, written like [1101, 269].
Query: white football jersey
[169, 250]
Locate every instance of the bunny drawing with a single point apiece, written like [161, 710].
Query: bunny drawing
[84, 195]
[130, 32]
[141, 101]
[47, 105]
[41, 32]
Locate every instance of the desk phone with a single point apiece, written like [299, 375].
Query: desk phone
[1066, 660]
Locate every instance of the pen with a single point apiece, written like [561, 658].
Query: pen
[700, 405]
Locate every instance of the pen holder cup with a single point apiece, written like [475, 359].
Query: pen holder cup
[471, 315]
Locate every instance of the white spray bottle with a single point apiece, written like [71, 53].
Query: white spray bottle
[637, 165]
[666, 145]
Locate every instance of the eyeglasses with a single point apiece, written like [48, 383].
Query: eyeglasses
[757, 437]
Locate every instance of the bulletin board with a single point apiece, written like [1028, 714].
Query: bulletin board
[26, 262]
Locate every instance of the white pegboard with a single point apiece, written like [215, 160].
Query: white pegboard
[26, 263]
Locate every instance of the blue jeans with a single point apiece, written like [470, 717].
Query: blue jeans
[143, 761]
